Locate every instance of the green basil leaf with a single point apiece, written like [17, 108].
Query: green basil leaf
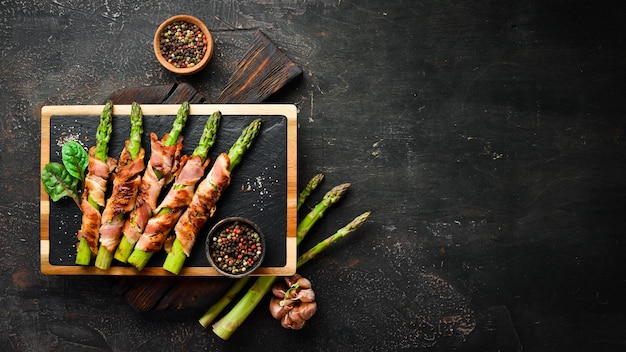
[58, 182]
[75, 159]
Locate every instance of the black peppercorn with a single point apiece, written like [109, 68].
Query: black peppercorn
[235, 248]
[183, 44]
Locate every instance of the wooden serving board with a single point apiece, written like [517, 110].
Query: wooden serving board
[184, 297]
[263, 186]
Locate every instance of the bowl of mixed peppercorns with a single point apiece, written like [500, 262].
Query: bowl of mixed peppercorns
[235, 247]
[183, 44]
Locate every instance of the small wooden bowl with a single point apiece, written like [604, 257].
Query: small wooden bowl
[186, 70]
[244, 244]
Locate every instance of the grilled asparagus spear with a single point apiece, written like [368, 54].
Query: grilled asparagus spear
[125, 189]
[92, 199]
[162, 164]
[202, 205]
[177, 199]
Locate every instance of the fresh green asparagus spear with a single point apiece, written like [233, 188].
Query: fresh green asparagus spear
[139, 258]
[176, 257]
[239, 284]
[136, 130]
[179, 123]
[212, 313]
[226, 326]
[243, 143]
[209, 133]
[341, 233]
[310, 187]
[103, 135]
[125, 248]
[104, 257]
[330, 198]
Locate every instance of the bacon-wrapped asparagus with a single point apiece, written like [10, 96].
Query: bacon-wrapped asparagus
[203, 204]
[92, 199]
[177, 199]
[125, 188]
[163, 164]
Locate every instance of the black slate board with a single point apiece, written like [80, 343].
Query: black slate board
[258, 189]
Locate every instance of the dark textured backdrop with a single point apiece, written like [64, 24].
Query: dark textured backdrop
[487, 138]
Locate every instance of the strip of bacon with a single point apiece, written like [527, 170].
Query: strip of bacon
[164, 160]
[173, 205]
[126, 183]
[203, 203]
[98, 173]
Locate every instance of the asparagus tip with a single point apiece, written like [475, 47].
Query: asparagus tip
[359, 220]
[316, 180]
[313, 183]
[337, 192]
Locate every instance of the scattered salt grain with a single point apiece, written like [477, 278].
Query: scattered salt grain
[262, 185]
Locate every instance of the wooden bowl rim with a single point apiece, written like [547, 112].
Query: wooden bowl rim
[188, 70]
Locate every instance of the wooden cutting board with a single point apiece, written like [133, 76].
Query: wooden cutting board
[183, 297]
[262, 188]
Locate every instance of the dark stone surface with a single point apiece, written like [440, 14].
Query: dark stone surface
[487, 138]
[267, 162]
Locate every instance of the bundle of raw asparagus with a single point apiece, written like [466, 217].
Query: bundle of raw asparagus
[228, 324]
[129, 226]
